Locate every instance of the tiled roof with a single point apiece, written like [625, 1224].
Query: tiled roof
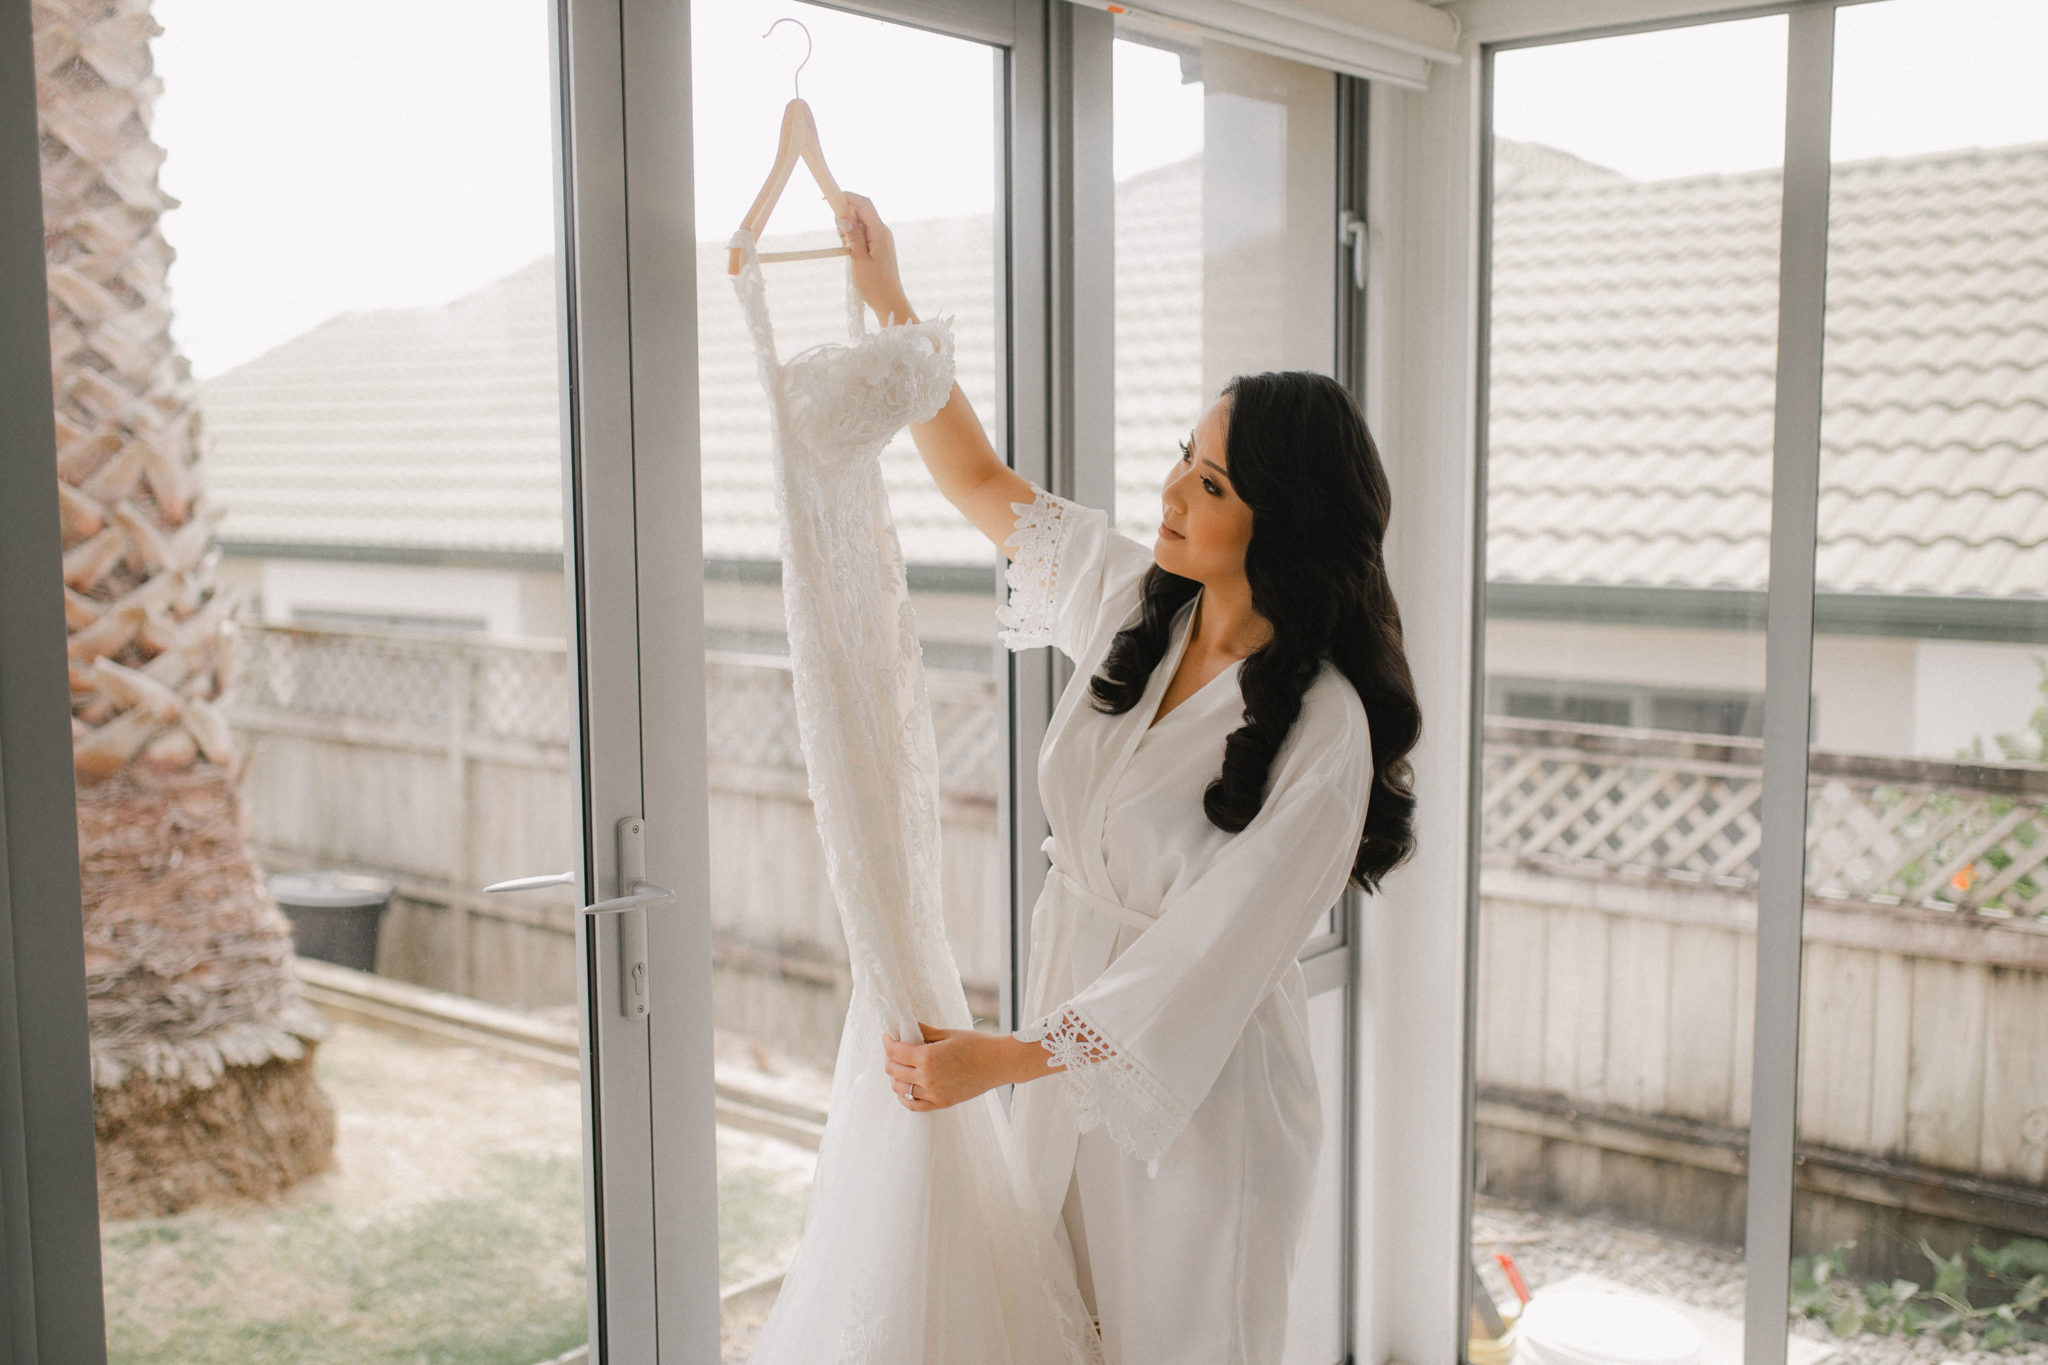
[1633, 334]
[414, 428]
[1158, 332]
[949, 270]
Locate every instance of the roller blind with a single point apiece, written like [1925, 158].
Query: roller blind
[1382, 40]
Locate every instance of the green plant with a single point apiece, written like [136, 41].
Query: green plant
[1996, 1297]
[2027, 745]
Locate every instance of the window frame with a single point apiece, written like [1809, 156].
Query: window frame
[49, 1198]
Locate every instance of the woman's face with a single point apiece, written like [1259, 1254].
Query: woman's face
[1205, 526]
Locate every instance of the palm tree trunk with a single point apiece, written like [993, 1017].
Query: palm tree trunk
[202, 1045]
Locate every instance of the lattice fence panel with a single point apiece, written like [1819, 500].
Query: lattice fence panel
[348, 675]
[520, 694]
[1579, 800]
[964, 724]
[751, 719]
[1595, 815]
[1595, 801]
[1927, 844]
[750, 715]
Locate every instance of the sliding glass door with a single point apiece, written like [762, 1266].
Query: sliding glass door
[352, 501]
[781, 974]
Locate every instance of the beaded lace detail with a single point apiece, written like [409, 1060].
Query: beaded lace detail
[1041, 530]
[1110, 1088]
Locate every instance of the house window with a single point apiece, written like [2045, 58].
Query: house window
[338, 619]
[1635, 708]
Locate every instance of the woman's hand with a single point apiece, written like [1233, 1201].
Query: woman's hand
[953, 1065]
[874, 261]
[953, 444]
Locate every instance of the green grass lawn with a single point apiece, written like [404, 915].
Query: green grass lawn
[476, 1279]
[451, 1232]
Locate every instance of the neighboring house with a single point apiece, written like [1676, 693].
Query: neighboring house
[1633, 334]
[402, 467]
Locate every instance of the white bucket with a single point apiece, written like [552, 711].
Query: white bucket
[1593, 1327]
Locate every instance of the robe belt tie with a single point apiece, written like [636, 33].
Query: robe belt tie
[1072, 887]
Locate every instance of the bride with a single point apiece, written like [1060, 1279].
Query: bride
[1231, 753]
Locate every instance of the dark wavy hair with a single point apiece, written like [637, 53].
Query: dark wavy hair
[1300, 456]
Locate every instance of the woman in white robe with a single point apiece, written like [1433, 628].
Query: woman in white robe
[1173, 1129]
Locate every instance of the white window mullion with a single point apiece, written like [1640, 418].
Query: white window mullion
[1788, 676]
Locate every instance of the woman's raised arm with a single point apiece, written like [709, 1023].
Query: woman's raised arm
[964, 465]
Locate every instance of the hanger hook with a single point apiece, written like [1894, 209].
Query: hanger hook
[795, 81]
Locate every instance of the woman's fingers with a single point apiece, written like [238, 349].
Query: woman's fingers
[904, 1063]
[864, 209]
[866, 228]
[910, 1075]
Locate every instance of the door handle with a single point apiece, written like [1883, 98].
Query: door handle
[640, 894]
[1351, 229]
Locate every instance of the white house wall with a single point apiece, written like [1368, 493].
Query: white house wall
[958, 629]
[1872, 694]
[503, 603]
[1964, 690]
[1863, 695]
[1697, 660]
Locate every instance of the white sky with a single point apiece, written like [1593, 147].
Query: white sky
[324, 166]
[1910, 76]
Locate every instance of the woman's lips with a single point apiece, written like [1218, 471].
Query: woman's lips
[1169, 532]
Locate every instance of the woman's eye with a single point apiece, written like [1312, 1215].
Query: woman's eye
[1185, 453]
[1210, 485]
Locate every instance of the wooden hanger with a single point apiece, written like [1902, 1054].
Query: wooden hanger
[799, 142]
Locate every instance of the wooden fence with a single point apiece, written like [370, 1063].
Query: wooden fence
[1616, 937]
[444, 764]
[1617, 974]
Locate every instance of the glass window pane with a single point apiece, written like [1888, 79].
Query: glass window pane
[1923, 1062]
[1226, 210]
[1633, 289]
[782, 981]
[1225, 165]
[347, 697]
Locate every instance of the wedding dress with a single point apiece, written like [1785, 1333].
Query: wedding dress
[919, 1246]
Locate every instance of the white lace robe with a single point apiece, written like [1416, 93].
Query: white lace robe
[1162, 969]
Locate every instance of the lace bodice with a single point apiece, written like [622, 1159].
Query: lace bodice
[844, 400]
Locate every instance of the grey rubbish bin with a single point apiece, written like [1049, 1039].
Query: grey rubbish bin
[334, 915]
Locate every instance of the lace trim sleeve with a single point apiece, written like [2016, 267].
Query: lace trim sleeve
[1109, 1087]
[1041, 529]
